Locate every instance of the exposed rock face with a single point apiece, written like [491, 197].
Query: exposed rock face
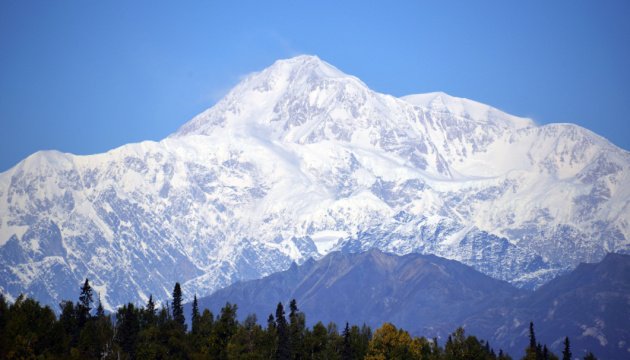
[301, 159]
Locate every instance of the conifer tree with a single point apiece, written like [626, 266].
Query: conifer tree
[224, 328]
[297, 326]
[150, 308]
[346, 351]
[271, 338]
[271, 323]
[284, 350]
[545, 353]
[149, 314]
[195, 315]
[128, 327]
[566, 353]
[69, 322]
[85, 304]
[100, 312]
[178, 308]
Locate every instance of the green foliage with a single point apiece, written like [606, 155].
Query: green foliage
[128, 327]
[31, 331]
[538, 351]
[283, 351]
[249, 342]
[461, 346]
[178, 307]
[222, 331]
[297, 327]
[194, 316]
[96, 338]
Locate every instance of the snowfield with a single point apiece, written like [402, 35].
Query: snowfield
[301, 159]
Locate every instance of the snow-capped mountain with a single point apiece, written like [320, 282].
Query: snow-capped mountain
[300, 159]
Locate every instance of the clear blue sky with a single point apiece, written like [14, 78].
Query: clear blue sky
[88, 76]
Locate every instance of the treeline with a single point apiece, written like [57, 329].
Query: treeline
[32, 331]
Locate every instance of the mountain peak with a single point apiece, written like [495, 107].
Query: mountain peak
[288, 92]
[297, 160]
[307, 63]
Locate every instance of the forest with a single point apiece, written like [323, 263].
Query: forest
[83, 330]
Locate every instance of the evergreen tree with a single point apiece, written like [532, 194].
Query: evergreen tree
[127, 329]
[85, 304]
[95, 341]
[346, 351]
[69, 322]
[4, 314]
[201, 340]
[248, 342]
[566, 353]
[271, 323]
[317, 341]
[100, 312]
[178, 308]
[224, 328]
[534, 350]
[284, 350]
[545, 353]
[333, 343]
[149, 316]
[297, 327]
[194, 318]
[31, 331]
[150, 308]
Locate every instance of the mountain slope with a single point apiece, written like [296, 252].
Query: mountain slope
[421, 293]
[590, 305]
[432, 296]
[301, 159]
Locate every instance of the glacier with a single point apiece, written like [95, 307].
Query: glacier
[301, 159]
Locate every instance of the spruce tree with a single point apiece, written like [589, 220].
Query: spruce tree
[127, 329]
[566, 353]
[149, 314]
[545, 353]
[100, 312]
[150, 308]
[297, 328]
[284, 350]
[346, 351]
[178, 308]
[271, 323]
[85, 304]
[224, 328]
[195, 315]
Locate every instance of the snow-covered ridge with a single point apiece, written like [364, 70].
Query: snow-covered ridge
[439, 101]
[300, 159]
